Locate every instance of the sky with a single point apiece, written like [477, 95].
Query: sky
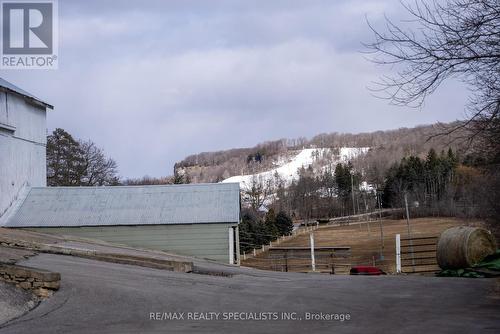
[152, 82]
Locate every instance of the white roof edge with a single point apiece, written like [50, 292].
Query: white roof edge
[142, 186]
[6, 85]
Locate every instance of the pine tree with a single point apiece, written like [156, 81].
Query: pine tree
[64, 159]
[284, 223]
[270, 222]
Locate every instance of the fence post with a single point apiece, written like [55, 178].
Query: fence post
[254, 252]
[398, 253]
[313, 260]
[409, 233]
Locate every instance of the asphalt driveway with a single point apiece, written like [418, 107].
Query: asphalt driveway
[100, 297]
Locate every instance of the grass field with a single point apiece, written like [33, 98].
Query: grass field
[364, 240]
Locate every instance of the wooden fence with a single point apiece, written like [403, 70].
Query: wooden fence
[302, 259]
[416, 254]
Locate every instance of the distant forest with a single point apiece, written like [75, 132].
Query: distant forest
[387, 147]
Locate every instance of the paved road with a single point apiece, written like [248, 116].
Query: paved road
[99, 297]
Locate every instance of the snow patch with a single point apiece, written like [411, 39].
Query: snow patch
[289, 171]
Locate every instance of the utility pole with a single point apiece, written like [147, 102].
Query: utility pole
[407, 217]
[381, 228]
[353, 204]
[367, 215]
[409, 232]
[352, 192]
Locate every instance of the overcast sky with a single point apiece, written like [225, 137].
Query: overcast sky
[154, 81]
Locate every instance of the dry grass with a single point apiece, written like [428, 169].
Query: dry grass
[364, 239]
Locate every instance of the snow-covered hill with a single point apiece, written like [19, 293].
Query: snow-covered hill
[288, 170]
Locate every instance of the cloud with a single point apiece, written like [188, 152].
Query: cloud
[152, 84]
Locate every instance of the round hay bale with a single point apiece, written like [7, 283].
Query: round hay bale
[463, 246]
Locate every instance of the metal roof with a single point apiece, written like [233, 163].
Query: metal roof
[12, 88]
[128, 205]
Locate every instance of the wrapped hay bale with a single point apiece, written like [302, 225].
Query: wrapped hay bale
[462, 247]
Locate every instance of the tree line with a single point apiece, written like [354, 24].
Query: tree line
[426, 181]
[392, 144]
[443, 184]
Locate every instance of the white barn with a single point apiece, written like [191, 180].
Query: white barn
[23, 137]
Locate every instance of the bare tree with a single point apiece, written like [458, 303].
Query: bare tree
[257, 192]
[452, 38]
[98, 170]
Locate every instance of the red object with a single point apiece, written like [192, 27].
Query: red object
[366, 270]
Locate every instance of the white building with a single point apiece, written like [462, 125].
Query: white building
[198, 220]
[23, 138]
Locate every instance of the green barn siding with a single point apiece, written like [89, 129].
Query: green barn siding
[201, 240]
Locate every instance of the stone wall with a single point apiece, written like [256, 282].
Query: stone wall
[42, 283]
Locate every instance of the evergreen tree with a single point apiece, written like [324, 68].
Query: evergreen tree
[64, 159]
[284, 223]
[247, 229]
[425, 181]
[343, 181]
[270, 223]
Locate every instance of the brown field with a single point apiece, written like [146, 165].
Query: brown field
[364, 240]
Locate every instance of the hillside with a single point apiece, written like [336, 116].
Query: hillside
[284, 156]
[288, 170]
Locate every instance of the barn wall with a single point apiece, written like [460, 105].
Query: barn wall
[208, 241]
[22, 147]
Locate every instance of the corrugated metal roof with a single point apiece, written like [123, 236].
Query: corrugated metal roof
[134, 205]
[13, 88]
